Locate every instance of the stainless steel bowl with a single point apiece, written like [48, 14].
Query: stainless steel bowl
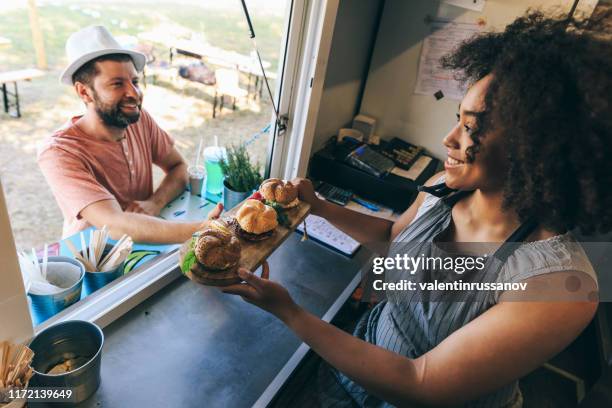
[73, 339]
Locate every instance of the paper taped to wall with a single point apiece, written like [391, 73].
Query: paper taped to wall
[476, 5]
[444, 38]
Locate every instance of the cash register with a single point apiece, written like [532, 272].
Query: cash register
[368, 170]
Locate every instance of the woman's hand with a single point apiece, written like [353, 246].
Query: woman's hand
[267, 295]
[307, 194]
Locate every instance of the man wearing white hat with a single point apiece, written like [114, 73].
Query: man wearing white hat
[100, 165]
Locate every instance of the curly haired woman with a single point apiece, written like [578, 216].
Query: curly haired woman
[528, 161]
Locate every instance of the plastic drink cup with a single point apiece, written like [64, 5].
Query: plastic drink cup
[212, 157]
[197, 175]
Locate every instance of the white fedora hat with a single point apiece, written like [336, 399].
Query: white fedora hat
[90, 43]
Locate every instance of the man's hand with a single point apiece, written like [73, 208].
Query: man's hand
[149, 207]
[263, 293]
[214, 214]
[307, 194]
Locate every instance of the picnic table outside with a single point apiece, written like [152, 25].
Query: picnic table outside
[231, 59]
[15, 77]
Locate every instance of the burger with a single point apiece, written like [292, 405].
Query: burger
[255, 221]
[214, 250]
[282, 192]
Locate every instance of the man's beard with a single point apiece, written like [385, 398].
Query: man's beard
[112, 115]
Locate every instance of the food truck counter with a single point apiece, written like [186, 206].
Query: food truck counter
[193, 346]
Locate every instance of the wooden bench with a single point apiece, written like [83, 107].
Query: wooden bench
[15, 77]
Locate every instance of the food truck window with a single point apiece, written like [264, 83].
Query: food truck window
[202, 82]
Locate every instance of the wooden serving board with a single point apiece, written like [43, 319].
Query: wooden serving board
[253, 254]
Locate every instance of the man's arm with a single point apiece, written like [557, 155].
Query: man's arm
[172, 185]
[141, 227]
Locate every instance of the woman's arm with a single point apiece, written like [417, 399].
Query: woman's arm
[503, 344]
[362, 227]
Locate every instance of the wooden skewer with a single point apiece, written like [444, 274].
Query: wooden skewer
[73, 250]
[18, 372]
[112, 251]
[99, 248]
[78, 256]
[122, 252]
[90, 248]
[117, 256]
[3, 358]
[93, 247]
[104, 241]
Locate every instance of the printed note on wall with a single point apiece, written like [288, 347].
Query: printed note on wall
[476, 5]
[432, 79]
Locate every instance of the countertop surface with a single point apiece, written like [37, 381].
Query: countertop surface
[193, 346]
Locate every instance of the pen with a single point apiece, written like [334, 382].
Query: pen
[367, 205]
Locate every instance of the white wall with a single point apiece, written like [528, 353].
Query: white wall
[15, 322]
[389, 89]
[353, 39]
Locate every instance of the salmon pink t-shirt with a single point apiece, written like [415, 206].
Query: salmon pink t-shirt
[82, 170]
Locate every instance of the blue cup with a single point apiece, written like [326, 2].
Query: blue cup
[46, 306]
[96, 280]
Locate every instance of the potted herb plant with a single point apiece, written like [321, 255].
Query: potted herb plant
[241, 177]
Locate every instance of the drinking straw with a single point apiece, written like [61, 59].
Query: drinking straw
[45, 259]
[83, 247]
[35, 261]
[198, 152]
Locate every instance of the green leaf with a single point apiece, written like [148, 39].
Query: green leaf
[281, 216]
[190, 257]
[237, 168]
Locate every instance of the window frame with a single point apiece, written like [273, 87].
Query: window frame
[308, 31]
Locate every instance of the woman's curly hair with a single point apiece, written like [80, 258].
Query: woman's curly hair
[550, 98]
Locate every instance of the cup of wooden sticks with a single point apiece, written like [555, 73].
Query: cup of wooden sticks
[15, 373]
[103, 261]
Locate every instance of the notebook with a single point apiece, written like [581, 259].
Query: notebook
[319, 229]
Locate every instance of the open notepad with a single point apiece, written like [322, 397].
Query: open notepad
[319, 229]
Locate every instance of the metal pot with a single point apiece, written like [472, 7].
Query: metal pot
[232, 198]
[73, 339]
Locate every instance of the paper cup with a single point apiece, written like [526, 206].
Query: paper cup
[197, 177]
[46, 306]
[96, 280]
